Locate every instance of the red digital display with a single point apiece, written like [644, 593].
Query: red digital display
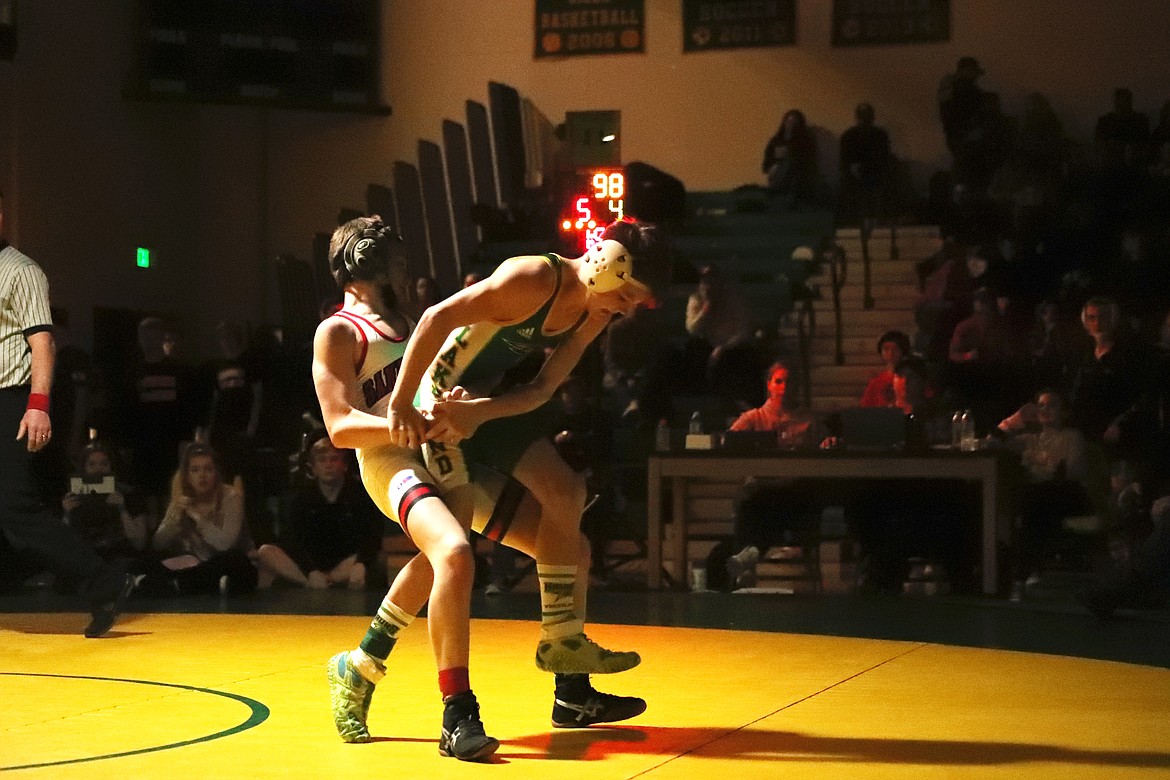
[598, 200]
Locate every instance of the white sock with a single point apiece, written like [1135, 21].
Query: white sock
[559, 617]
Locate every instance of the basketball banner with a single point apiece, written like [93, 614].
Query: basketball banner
[738, 24]
[574, 28]
[876, 22]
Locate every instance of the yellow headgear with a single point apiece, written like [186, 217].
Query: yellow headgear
[610, 266]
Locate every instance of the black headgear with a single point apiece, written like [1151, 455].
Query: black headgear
[366, 254]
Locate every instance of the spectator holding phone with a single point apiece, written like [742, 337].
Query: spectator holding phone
[108, 514]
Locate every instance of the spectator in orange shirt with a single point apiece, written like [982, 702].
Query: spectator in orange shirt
[893, 346]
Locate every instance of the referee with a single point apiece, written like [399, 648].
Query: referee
[26, 375]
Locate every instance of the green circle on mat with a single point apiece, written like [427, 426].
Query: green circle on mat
[258, 713]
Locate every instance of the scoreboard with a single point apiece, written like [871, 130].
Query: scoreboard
[597, 198]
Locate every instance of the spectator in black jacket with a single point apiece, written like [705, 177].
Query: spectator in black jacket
[331, 530]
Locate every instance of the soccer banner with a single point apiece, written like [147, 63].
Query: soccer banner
[573, 28]
[876, 22]
[738, 24]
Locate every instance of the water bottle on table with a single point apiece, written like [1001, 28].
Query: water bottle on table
[696, 424]
[968, 443]
[662, 436]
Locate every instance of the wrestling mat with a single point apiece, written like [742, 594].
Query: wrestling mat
[244, 696]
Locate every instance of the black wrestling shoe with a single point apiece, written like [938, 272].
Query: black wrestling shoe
[575, 712]
[463, 736]
[106, 614]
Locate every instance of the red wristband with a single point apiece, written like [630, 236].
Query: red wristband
[38, 401]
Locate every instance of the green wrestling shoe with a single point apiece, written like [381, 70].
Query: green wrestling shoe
[578, 654]
[349, 696]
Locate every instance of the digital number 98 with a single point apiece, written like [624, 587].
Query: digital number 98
[611, 187]
[608, 185]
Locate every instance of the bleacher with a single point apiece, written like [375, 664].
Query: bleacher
[837, 379]
[490, 163]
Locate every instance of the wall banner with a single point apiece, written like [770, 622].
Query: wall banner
[738, 24]
[875, 22]
[573, 28]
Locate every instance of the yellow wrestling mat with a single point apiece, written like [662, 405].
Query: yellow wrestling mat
[244, 696]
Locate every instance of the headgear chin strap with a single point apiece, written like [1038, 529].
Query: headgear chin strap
[610, 266]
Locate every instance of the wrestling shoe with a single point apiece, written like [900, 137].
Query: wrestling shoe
[349, 696]
[104, 615]
[575, 712]
[578, 654]
[463, 736]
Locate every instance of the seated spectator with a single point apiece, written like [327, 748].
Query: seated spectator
[949, 249]
[424, 293]
[717, 323]
[928, 411]
[978, 361]
[1142, 581]
[976, 336]
[636, 353]
[1109, 383]
[1109, 396]
[331, 531]
[1053, 457]
[107, 513]
[1055, 346]
[1136, 273]
[865, 168]
[770, 512]
[1017, 324]
[892, 346]
[790, 161]
[947, 293]
[1128, 510]
[204, 533]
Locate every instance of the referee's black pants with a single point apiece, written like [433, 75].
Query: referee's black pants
[29, 526]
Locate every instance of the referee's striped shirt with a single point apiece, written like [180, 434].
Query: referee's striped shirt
[24, 310]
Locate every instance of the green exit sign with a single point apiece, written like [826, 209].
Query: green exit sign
[144, 257]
